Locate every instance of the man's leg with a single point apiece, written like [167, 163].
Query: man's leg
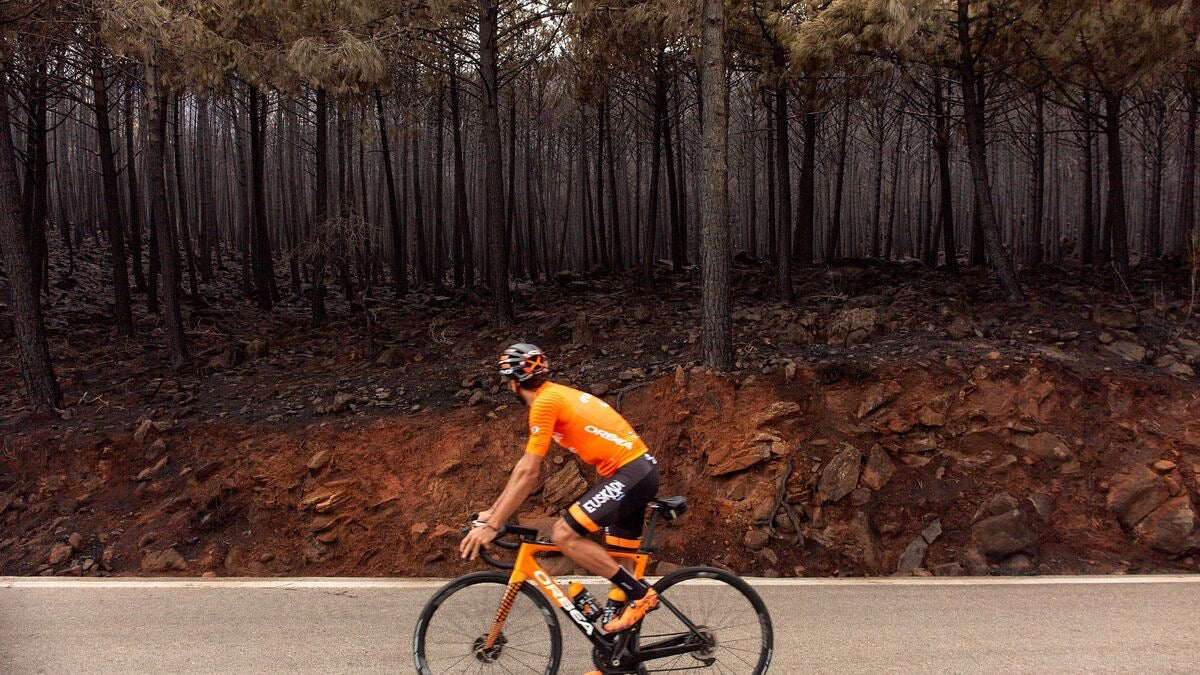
[585, 552]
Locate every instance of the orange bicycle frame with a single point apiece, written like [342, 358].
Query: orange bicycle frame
[526, 567]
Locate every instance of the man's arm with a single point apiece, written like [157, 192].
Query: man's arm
[521, 482]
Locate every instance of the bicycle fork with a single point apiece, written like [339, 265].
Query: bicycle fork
[506, 603]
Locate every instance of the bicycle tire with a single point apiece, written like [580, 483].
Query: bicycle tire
[711, 600]
[483, 621]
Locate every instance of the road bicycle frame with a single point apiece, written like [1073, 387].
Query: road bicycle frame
[612, 646]
[526, 567]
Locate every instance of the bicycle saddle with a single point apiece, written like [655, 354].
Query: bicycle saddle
[670, 507]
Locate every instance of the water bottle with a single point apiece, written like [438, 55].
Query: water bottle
[616, 603]
[584, 601]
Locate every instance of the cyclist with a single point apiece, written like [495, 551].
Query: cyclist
[590, 428]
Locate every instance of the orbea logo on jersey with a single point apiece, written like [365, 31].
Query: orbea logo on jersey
[609, 436]
[563, 601]
[614, 491]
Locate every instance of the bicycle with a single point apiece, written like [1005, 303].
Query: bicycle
[524, 634]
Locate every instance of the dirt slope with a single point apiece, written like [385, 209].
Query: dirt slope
[385, 496]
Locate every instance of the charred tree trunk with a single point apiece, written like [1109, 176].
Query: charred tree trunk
[1036, 230]
[135, 207]
[321, 209]
[493, 186]
[206, 222]
[263, 274]
[399, 250]
[783, 213]
[464, 259]
[1186, 231]
[112, 195]
[156, 122]
[975, 120]
[941, 145]
[1114, 217]
[650, 232]
[833, 244]
[41, 386]
[185, 233]
[1087, 235]
[806, 206]
[717, 337]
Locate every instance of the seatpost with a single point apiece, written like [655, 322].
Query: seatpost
[648, 538]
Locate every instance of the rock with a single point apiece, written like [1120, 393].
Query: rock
[995, 506]
[876, 397]
[855, 539]
[1165, 361]
[1113, 317]
[663, 568]
[1018, 563]
[960, 327]
[75, 540]
[1170, 528]
[852, 326]
[341, 403]
[598, 389]
[149, 472]
[1105, 338]
[157, 448]
[1045, 446]
[476, 397]
[1163, 466]
[1133, 495]
[973, 561]
[581, 332]
[932, 531]
[564, 486]
[1181, 370]
[318, 461]
[950, 569]
[878, 470]
[913, 556]
[840, 475]
[59, 553]
[108, 557]
[724, 459]
[769, 556]
[1129, 351]
[327, 497]
[756, 539]
[934, 413]
[860, 496]
[776, 411]
[164, 561]
[139, 436]
[1042, 505]
[390, 358]
[257, 349]
[1004, 534]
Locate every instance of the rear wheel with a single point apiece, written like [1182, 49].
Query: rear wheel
[454, 625]
[729, 624]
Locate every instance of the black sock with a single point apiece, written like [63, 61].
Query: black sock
[634, 588]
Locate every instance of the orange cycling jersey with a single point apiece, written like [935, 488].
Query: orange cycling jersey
[583, 424]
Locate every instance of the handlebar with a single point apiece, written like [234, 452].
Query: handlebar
[524, 533]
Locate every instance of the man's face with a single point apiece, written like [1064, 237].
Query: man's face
[514, 388]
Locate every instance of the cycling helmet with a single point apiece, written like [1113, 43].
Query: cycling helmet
[523, 362]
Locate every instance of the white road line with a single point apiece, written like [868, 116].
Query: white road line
[299, 583]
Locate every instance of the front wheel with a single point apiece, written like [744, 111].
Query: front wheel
[454, 625]
[725, 614]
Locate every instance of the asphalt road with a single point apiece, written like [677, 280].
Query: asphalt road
[1045, 625]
